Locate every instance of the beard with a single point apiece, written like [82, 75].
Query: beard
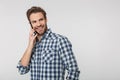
[43, 30]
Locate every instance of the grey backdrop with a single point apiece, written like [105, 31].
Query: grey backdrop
[93, 27]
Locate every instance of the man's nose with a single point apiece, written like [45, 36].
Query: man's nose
[38, 24]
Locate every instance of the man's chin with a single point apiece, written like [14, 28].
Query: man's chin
[40, 34]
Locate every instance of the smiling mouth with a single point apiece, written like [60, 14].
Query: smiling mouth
[39, 27]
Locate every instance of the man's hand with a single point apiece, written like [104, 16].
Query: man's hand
[32, 37]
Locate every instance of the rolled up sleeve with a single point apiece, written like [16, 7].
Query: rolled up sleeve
[69, 60]
[23, 69]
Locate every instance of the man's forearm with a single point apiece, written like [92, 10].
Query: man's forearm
[27, 55]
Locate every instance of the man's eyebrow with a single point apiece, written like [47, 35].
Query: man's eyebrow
[33, 21]
[41, 18]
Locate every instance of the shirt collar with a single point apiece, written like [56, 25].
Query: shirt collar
[46, 34]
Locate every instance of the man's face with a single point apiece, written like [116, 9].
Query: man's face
[38, 22]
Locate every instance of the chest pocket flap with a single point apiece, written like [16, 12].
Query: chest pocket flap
[48, 55]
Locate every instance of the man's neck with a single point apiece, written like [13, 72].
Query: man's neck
[39, 37]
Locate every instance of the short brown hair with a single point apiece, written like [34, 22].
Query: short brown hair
[35, 9]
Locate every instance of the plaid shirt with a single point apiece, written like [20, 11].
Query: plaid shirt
[50, 58]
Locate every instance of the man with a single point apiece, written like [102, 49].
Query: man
[48, 55]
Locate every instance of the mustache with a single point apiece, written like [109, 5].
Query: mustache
[39, 26]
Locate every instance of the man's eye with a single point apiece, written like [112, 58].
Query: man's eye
[41, 19]
[33, 21]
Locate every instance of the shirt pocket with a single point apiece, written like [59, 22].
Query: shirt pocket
[48, 56]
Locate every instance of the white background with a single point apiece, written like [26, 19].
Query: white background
[92, 26]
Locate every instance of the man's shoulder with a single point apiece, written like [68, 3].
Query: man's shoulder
[58, 36]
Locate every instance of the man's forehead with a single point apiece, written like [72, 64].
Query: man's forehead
[36, 16]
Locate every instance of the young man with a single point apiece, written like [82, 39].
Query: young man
[48, 55]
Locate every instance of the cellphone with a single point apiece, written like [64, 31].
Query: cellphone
[34, 33]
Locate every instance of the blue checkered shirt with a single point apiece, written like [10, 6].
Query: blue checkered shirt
[51, 57]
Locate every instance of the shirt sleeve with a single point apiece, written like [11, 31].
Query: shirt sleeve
[23, 69]
[69, 60]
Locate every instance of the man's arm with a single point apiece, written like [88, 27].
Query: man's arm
[23, 65]
[27, 55]
[69, 60]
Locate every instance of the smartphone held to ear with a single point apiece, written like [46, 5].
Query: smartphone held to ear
[34, 33]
